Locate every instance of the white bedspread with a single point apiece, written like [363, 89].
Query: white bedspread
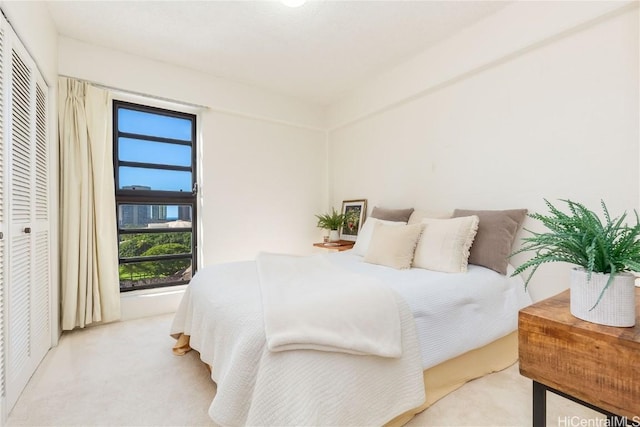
[453, 312]
[311, 303]
[222, 312]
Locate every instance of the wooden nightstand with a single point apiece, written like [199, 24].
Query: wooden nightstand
[595, 365]
[339, 246]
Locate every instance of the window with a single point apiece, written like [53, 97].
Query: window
[155, 180]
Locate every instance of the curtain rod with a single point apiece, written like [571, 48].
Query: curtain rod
[131, 92]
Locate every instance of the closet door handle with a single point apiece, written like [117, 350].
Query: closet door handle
[27, 230]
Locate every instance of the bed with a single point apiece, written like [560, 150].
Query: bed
[451, 328]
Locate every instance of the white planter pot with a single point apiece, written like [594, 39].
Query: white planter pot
[617, 306]
[334, 235]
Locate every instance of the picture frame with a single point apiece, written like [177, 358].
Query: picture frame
[355, 212]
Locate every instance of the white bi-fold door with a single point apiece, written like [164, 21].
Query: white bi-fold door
[25, 263]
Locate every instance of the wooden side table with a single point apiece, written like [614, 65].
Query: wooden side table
[595, 365]
[339, 246]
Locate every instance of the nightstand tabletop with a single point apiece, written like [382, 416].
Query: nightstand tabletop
[341, 245]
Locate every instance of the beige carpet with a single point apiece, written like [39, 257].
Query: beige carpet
[124, 374]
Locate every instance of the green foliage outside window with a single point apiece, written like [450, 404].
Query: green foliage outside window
[151, 244]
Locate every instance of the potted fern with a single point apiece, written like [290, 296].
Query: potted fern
[331, 222]
[602, 287]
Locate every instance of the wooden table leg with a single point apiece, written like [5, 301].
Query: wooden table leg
[539, 405]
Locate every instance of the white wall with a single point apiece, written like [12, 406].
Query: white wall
[262, 185]
[129, 72]
[501, 116]
[263, 157]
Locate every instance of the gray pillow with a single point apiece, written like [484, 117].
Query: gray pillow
[391, 214]
[494, 239]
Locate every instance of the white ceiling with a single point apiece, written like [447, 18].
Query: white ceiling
[316, 52]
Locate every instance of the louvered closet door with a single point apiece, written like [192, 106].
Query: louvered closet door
[27, 301]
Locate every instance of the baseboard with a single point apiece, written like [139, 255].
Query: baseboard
[152, 302]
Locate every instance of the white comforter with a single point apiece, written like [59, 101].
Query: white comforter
[222, 312]
[453, 312]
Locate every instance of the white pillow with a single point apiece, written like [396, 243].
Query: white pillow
[393, 246]
[365, 233]
[445, 243]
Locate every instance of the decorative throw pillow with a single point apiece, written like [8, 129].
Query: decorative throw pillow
[494, 239]
[418, 215]
[444, 244]
[365, 233]
[392, 214]
[393, 246]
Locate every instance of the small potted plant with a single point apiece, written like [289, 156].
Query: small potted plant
[602, 287]
[331, 222]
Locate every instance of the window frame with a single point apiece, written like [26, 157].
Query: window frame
[156, 197]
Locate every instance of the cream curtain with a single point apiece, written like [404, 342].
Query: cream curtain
[90, 290]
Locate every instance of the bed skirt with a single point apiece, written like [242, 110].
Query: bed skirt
[452, 374]
[446, 377]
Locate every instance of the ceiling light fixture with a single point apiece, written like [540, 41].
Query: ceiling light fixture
[293, 3]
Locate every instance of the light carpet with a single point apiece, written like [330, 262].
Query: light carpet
[124, 374]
